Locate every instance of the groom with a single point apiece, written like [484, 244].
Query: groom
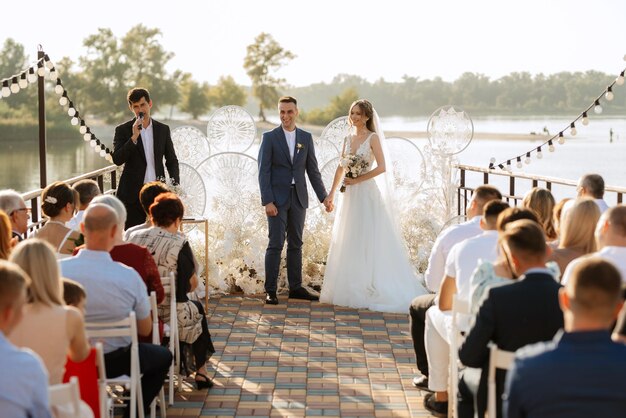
[285, 154]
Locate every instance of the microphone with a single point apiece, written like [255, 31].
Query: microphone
[140, 117]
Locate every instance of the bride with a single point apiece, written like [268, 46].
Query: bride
[368, 264]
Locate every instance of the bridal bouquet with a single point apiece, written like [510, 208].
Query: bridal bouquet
[354, 165]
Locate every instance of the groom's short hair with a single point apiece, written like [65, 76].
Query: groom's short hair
[288, 99]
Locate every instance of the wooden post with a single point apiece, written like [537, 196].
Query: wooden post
[43, 176]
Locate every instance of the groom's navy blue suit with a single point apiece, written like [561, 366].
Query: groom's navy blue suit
[282, 182]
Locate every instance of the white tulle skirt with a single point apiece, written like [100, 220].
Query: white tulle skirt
[368, 265]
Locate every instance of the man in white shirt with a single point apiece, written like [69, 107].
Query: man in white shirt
[611, 239]
[141, 144]
[113, 291]
[589, 185]
[461, 263]
[436, 269]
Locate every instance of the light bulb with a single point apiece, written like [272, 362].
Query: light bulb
[96, 149]
[527, 160]
[82, 128]
[49, 63]
[597, 108]
[508, 165]
[53, 74]
[551, 147]
[492, 160]
[58, 89]
[573, 131]
[23, 82]
[92, 143]
[103, 153]
[519, 164]
[15, 88]
[87, 136]
[63, 101]
[539, 155]
[71, 111]
[609, 95]
[561, 140]
[41, 71]
[585, 119]
[109, 158]
[620, 80]
[32, 76]
[6, 91]
[74, 121]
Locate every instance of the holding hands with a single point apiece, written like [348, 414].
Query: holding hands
[328, 203]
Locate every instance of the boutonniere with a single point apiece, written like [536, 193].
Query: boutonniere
[299, 147]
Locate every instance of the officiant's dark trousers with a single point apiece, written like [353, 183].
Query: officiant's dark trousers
[289, 223]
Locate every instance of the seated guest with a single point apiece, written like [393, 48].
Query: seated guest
[13, 205]
[74, 295]
[610, 235]
[57, 203]
[512, 316]
[542, 202]
[461, 263]
[435, 273]
[113, 291]
[6, 240]
[23, 379]
[147, 194]
[173, 254]
[590, 186]
[87, 189]
[46, 318]
[546, 378]
[133, 255]
[577, 233]
[488, 275]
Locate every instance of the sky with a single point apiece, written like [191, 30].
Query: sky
[373, 39]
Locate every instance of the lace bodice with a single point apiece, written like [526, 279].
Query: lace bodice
[365, 149]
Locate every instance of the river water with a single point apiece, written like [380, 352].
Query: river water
[589, 151]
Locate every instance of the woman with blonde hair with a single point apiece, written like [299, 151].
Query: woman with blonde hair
[49, 328]
[58, 204]
[5, 236]
[542, 203]
[577, 232]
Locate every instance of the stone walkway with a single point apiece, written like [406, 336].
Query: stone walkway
[305, 359]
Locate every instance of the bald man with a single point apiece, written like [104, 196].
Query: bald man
[113, 291]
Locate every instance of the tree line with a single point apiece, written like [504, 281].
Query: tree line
[99, 80]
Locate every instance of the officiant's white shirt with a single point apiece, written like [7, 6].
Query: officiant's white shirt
[147, 138]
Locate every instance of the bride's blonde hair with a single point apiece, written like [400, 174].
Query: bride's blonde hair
[367, 108]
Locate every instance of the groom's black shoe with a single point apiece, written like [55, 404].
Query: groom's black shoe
[271, 299]
[302, 293]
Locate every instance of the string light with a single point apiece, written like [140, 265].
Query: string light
[63, 100]
[527, 160]
[23, 82]
[49, 63]
[15, 88]
[87, 135]
[585, 119]
[539, 153]
[620, 79]
[32, 76]
[41, 71]
[71, 111]
[508, 165]
[597, 107]
[6, 91]
[561, 138]
[58, 89]
[609, 94]
[550, 146]
[82, 128]
[519, 162]
[53, 74]
[573, 130]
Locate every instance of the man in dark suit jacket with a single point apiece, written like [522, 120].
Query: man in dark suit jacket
[140, 144]
[523, 312]
[581, 372]
[285, 155]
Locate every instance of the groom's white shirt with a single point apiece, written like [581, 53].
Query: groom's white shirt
[291, 143]
[444, 243]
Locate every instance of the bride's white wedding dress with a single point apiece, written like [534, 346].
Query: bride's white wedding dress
[368, 264]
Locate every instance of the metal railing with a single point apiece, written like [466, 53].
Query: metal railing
[514, 185]
[105, 177]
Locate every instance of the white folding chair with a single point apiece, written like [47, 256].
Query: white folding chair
[103, 395]
[66, 396]
[459, 307]
[127, 327]
[155, 340]
[498, 359]
[171, 331]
